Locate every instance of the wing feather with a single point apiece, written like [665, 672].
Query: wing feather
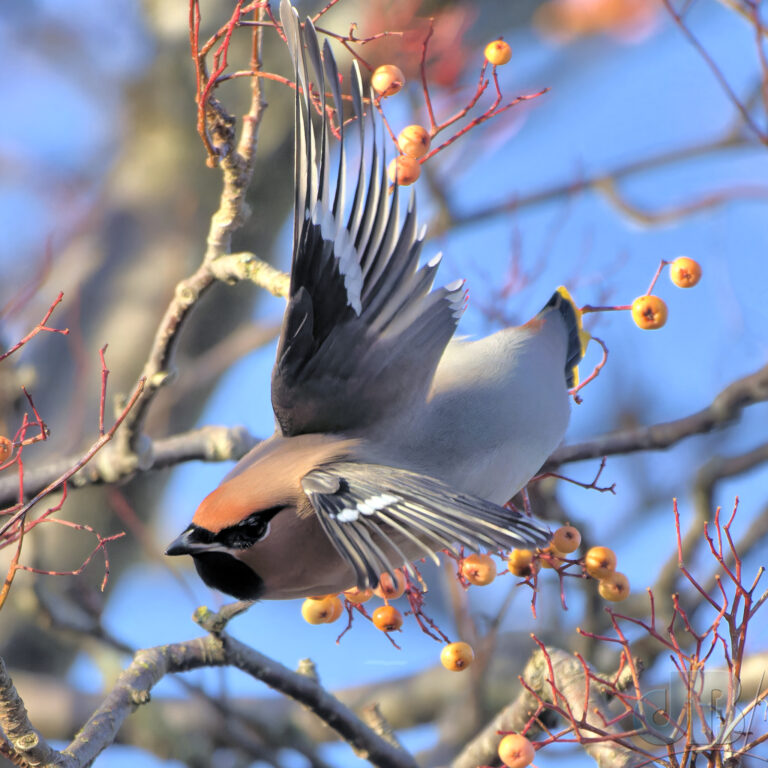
[362, 333]
[409, 515]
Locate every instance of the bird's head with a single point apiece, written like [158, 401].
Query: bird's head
[224, 529]
[245, 536]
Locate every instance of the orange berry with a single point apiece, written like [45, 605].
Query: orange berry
[498, 52]
[552, 557]
[414, 141]
[515, 751]
[387, 79]
[685, 272]
[649, 312]
[338, 609]
[614, 587]
[6, 448]
[478, 569]
[389, 590]
[600, 562]
[322, 611]
[404, 170]
[387, 618]
[356, 596]
[566, 539]
[522, 563]
[457, 656]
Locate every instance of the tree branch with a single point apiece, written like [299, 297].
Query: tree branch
[23, 738]
[732, 139]
[215, 443]
[570, 685]
[134, 685]
[211, 443]
[236, 159]
[725, 408]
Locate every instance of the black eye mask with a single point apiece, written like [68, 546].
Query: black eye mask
[247, 532]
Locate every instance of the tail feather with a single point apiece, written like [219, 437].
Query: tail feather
[578, 338]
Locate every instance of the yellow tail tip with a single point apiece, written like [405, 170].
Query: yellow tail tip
[583, 335]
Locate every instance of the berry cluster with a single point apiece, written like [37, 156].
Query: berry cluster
[650, 312]
[325, 609]
[477, 569]
[599, 563]
[414, 140]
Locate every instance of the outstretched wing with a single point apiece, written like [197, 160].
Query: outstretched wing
[375, 514]
[362, 332]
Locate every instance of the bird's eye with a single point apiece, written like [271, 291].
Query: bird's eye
[247, 532]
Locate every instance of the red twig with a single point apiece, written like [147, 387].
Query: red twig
[595, 373]
[482, 85]
[103, 394]
[618, 308]
[656, 276]
[41, 326]
[89, 454]
[101, 545]
[415, 595]
[22, 438]
[12, 568]
[589, 486]
[424, 83]
[717, 72]
[480, 119]
[323, 10]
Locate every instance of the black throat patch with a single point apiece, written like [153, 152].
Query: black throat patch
[228, 574]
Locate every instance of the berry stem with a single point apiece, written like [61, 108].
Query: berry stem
[589, 308]
[424, 85]
[656, 276]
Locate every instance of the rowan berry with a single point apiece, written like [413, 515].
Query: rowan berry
[521, 563]
[388, 589]
[387, 618]
[457, 656]
[387, 80]
[685, 272]
[515, 751]
[498, 52]
[552, 557]
[479, 570]
[649, 312]
[356, 596]
[414, 141]
[322, 611]
[566, 539]
[404, 170]
[614, 587]
[600, 562]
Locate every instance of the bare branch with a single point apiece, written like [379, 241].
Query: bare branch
[570, 684]
[205, 444]
[41, 326]
[725, 408]
[235, 267]
[80, 462]
[149, 666]
[732, 139]
[14, 724]
[236, 159]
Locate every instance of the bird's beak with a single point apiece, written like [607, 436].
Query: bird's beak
[181, 545]
[191, 542]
